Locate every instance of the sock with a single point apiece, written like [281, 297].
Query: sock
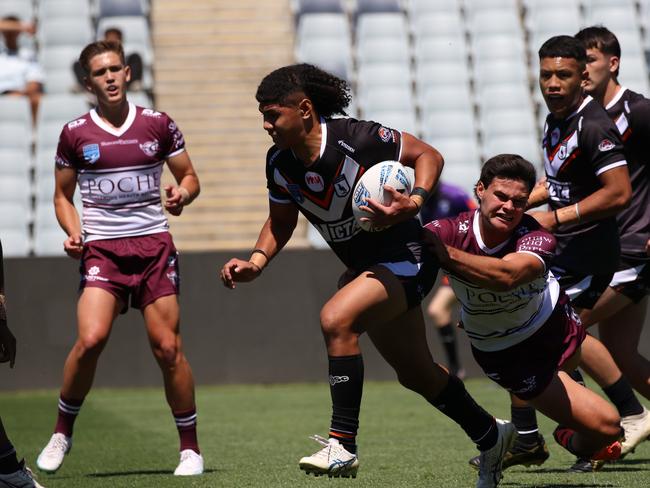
[346, 388]
[68, 411]
[186, 425]
[525, 420]
[621, 395]
[8, 460]
[448, 338]
[457, 404]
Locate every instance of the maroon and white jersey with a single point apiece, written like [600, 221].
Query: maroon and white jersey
[119, 170]
[496, 320]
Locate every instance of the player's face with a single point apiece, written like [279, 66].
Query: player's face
[108, 78]
[601, 68]
[284, 124]
[560, 80]
[503, 204]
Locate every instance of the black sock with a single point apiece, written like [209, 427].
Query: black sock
[8, 460]
[622, 396]
[448, 338]
[576, 375]
[457, 404]
[525, 420]
[346, 388]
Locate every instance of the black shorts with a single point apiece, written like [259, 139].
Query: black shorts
[632, 279]
[583, 290]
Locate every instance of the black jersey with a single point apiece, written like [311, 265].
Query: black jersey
[323, 191]
[631, 114]
[577, 149]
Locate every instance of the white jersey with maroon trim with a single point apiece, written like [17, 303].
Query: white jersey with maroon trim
[119, 170]
[496, 320]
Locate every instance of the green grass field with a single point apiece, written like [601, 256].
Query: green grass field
[253, 436]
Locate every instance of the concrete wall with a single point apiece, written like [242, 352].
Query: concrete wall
[261, 332]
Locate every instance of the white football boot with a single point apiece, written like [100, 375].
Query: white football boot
[191, 464]
[23, 478]
[51, 457]
[637, 429]
[491, 461]
[333, 460]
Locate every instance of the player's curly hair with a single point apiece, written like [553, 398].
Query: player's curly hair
[508, 166]
[564, 47]
[329, 94]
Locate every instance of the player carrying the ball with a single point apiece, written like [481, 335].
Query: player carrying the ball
[312, 168]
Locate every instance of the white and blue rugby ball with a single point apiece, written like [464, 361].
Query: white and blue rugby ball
[371, 185]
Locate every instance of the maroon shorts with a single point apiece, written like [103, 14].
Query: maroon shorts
[144, 268]
[527, 368]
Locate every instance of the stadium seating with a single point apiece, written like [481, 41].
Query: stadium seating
[69, 9]
[23, 9]
[65, 32]
[302, 7]
[119, 8]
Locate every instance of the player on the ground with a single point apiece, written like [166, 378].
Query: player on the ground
[312, 168]
[13, 473]
[446, 201]
[621, 310]
[116, 154]
[523, 330]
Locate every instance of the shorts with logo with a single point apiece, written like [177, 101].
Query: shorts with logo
[632, 279]
[527, 368]
[582, 289]
[143, 268]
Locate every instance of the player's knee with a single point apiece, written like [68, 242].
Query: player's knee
[91, 344]
[333, 324]
[167, 352]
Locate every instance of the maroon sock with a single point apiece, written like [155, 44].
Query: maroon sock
[68, 411]
[186, 425]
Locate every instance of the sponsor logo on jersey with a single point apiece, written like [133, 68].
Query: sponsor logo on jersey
[606, 145]
[76, 123]
[555, 136]
[295, 192]
[148, 112]
[338, 379]
[93, 274]
[150, 148]
[385, 134]
[340, 231]
[119, 142]
[91, 153]
[341, 186]
[559, 191]
[314, 181]
[173, 277]
[345, 145]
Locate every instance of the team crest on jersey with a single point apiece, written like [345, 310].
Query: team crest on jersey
[295, 192]
[606, 145]
[341, 186]
[385, 134]
[150, 148]
[562, 153]
[76, 123]
[314, 181]
[463, 227]
[148, 112]
[555, 136]
[91, 153]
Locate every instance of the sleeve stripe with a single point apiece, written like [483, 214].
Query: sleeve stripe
[537, 256]
[279, 200]
[175, 153]
[611, 166]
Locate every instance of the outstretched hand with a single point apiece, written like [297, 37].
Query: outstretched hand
[401, 208]
[238, 270]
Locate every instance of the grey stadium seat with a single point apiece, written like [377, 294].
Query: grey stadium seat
[500, 71]
[462, 151]
[526, 146]
[23, 9]
[65, 32]
[135, 30]
[333, 55]
[442, 73]
[402, 120]
[442, 24]
[463, 175]
[449, 123]
[302, 7]
[118, 8]
[364, 6]
[495, 22]
[383, 50]
[325, 26]
[384, 74]
[500, 47]
[440, 49]
[15, 189]
[15, 136]
[445, 97]
[15, 162]
[61, 81]
[64, 107]
[15, 241]
[58, 57]
[387, 98]
[420, 7]
[15, 109]
[71, 9]
[501, 96]
[507, 122]
[382, 26]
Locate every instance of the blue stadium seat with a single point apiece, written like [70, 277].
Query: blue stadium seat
[303, 7]
[119, 8]
[365, 6]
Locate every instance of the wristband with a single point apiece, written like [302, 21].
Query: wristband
[420, 192]
[557, 220]
[262, 252]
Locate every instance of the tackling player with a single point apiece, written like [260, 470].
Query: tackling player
[498, 259]
[312, 168]
[116, 153]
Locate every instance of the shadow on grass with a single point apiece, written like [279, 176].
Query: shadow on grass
[138, 473]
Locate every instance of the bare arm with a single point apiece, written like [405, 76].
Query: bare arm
[187, 181]
[539, 195]
[611, 198]
[65, 180]
[275, 233]
[496, 274]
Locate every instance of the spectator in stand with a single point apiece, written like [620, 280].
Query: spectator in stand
[133, 60]
[20, 74]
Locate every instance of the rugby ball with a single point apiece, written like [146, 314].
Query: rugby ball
[371, 185]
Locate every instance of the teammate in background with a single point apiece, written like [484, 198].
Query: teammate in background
[587, 183]
[621, 310]
[446, 201]
[499, 252]
[116, 153]
[13, 473]
[312, 168]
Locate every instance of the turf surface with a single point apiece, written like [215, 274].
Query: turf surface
[253, 436]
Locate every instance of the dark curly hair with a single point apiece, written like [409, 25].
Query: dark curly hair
[508, 166]
[564, 47]
[329, 94]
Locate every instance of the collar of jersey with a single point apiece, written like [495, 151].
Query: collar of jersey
[117, 132]
[616, 98]
[479, 238]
